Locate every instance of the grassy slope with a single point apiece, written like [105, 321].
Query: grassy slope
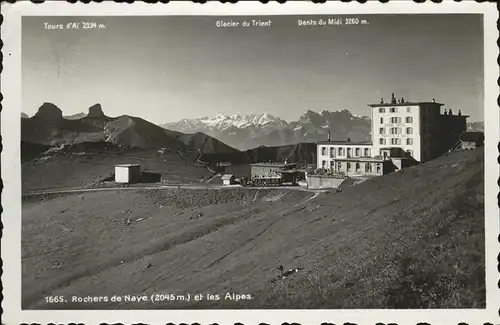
[409, 239]
[83, 171]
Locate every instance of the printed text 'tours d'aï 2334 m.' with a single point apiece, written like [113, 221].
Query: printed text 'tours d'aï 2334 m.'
[74, 25]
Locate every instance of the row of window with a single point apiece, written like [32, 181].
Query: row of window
[393, 109]
[396, 141]
[408, 119]
[358, 152]
[395, 130]
[357, 166]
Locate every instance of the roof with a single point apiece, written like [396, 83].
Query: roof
[128, 165]
[472, 136]
[379, 159]
[455, 116]
[227, 176]
[405, 104]
[291, 171]
[347, 143]
[273, 164]
[399, 148]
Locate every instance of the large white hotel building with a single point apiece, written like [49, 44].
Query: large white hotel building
[400, 131]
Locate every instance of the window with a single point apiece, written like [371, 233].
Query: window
[409, 141]
[367, 167]
[393, 109]
[340, 151]
[366, 153]
[408, 109]
[348, 152]
[332, 152]
[409, 130]
[381, 130]
[381, 110]
[399, 119]
[395, 141]
[382, 141]
[348, 166]
[357, 152]
[339, 166]
[323, 164]
[381, 120]
[323, 151]
[358, 167]
[332, 164]
[378, 168]
[395, 130]
[409, 119]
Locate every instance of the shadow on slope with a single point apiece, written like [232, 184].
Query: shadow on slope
[304, 153]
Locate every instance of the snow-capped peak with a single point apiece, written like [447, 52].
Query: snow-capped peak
[222, 121]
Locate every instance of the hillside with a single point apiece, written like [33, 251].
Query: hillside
[303, 153]
[49, 127]
[85, 164]
[411, 239]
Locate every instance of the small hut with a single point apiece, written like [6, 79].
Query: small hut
[127, 173]
[228, 179]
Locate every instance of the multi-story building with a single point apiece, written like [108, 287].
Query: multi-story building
[330, 151]
[419, 128]
[401, 131]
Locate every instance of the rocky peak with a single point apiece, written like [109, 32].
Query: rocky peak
[95, 111]
[49, 111]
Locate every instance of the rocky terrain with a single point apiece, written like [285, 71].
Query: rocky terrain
[252, 130]
[49, 127]
[411, 239]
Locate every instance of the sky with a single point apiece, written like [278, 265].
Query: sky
[166, 68]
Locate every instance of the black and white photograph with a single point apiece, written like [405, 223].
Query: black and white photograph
[263, 161]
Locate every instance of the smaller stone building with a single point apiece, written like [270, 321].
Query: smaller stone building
[273, 174]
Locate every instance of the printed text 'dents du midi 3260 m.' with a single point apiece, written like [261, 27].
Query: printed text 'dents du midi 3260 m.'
[335, 21]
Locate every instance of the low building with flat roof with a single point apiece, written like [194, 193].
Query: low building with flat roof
[127, 173]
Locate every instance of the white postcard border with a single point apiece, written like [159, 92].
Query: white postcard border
[11, 171]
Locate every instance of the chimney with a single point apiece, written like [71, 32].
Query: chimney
[348, 139]
[459, 113]
[393, 99]
[329, 136]
[381, 100]
[434, 100]
[450, 112]
[445, 112]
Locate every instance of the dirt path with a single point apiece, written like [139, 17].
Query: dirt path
[160, 187]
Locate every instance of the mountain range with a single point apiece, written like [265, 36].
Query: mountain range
[252, 130]
[49, 127]
[238, 137]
